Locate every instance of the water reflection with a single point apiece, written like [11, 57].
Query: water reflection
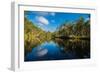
[76, 48]
[59, 49]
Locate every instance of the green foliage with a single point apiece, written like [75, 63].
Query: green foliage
[34, 35]
[77, 29]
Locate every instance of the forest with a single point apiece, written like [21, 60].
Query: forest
[76, 30]
[33, 35]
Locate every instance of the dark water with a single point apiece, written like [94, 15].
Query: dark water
[59, 50]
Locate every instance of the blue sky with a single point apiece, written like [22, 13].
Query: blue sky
[49, 21]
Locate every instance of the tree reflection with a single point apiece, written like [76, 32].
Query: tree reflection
[79, 48]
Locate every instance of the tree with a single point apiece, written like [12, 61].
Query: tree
[79, 25]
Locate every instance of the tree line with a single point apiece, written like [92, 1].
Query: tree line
[79, 28]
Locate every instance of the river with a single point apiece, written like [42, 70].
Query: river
[59, 50]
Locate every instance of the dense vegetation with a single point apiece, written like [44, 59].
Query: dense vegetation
[34, 35]
[79, 29]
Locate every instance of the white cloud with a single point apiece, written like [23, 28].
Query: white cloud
[86, 19]
[52, 13]
[42, 20]
[46, 13]
[42, 13]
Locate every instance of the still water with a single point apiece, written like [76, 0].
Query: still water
[59, 50]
